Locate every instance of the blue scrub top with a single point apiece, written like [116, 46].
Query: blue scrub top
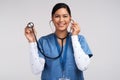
[55, 69]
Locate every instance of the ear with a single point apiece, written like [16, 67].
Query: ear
[52, 18]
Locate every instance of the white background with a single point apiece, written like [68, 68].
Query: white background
[99, 21]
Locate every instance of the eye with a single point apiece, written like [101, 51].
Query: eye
[56, 16]
[65, 16]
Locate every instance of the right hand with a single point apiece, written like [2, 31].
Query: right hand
[30, 34]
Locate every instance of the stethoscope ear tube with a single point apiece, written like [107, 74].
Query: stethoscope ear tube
[31, 25]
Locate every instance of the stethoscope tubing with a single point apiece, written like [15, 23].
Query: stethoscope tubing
[31, 25]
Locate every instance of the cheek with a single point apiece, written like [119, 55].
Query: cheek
[68, 22]
[55, 21]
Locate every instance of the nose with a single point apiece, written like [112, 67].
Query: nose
[61, 19]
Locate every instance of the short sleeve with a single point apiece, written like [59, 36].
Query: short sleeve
[84, 45]
[40, 48]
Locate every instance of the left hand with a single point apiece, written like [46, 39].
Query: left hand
[75, 28]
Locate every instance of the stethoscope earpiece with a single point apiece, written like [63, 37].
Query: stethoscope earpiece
[72, 21]
[30, 25]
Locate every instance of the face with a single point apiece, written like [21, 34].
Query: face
[61, 19]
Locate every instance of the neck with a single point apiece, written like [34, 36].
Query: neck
[61, 34]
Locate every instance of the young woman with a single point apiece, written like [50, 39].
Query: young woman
[69, 49]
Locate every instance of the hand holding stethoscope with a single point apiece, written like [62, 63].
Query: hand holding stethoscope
[30, 32]
[75, 28]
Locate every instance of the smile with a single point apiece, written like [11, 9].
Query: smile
[61, 24]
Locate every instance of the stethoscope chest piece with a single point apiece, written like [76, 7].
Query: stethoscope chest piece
[30, 25]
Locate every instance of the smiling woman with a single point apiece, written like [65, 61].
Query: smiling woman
[75, 52]
[61, 19]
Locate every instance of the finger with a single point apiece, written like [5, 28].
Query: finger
[28, 31]
[74, 28]
[76, 25]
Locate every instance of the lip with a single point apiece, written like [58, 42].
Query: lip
[61, 24]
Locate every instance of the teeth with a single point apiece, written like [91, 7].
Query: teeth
[61, 24]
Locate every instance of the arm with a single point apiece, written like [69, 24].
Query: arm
[37, 63]
[82, 60]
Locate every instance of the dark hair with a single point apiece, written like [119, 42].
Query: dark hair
[60, 5]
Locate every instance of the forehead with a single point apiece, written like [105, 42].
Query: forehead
[62, 11]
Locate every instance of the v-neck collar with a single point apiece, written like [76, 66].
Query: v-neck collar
[64, 52]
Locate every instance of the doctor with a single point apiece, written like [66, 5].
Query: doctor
[75, 54]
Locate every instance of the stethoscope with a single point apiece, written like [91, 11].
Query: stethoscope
[31, 25]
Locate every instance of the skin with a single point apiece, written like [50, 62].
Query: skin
[61, 20]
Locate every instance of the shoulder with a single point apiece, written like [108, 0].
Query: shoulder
[85, 45]
[82, 40]
[47, 37]
[81, 37]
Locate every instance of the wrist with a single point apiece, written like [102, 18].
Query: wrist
[75, 33]
[31, 41]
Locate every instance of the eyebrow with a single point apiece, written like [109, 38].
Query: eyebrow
[62, 14]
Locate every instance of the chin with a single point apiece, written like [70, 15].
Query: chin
[62, 30]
